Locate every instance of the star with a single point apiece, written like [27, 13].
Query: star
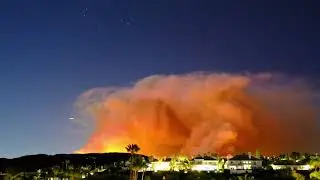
[127, 21]
[85, 11]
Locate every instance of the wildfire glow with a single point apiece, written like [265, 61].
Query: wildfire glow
[203, 112]
[115, 148]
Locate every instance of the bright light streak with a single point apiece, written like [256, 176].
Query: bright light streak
[202, 167]
[161, 166]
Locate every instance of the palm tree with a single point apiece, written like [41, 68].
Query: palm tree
[133, 149]
[143, 166]
[140, 164]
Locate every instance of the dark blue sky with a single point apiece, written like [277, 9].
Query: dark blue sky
[53, 50]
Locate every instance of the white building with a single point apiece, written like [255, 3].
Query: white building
[197, 164]
[286, 164]
[204, 164]
[291, 166]
[243, 163]
[170, 164]
[159, 166]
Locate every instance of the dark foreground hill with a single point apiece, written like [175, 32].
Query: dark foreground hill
[32, 163]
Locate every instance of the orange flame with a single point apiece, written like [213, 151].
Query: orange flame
[199, 113]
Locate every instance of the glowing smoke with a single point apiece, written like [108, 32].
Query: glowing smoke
[203, 112]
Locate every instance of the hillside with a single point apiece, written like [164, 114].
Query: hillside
[32, 163]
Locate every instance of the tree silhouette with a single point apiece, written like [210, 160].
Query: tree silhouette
[139, 163]
[133, 149]
[295, 156]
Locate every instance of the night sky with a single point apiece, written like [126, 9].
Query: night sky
[51, 51]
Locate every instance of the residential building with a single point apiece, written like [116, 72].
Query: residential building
[243, 163]
[205, 164]
[159, 166]
[294, 165]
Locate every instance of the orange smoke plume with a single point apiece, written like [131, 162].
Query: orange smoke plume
[203, 112]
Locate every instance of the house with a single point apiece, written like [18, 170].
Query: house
[294, 165]
[162, 165]
[243, 163]
[208, 164]
[205, 164]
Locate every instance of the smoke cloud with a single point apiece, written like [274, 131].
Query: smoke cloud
[203, 112]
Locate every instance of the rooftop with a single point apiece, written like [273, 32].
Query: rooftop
[291, 162]
[244, 157]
